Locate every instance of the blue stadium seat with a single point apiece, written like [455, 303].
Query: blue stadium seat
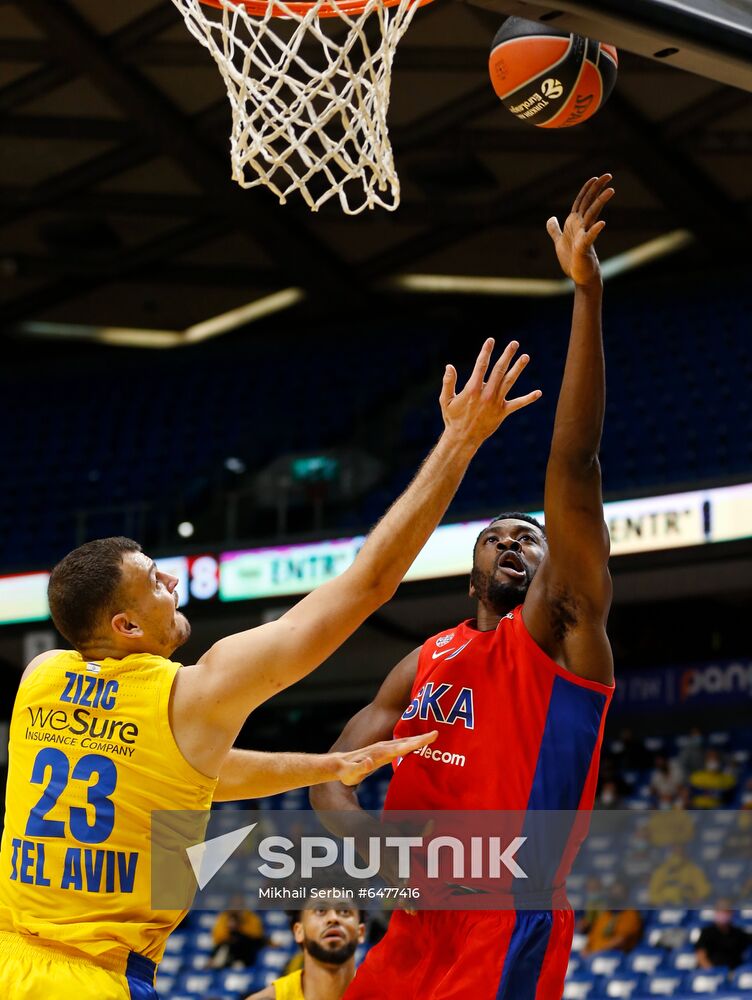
[272, 959]
[238, 982]
[195, 982]
[669, 918]
[706, 981]
[171, 964]
[164, 984]
[606, 963]
[683, 959]
[581, 986]
[742, 978]
[645, 960]
[623, 986]
[663, 984]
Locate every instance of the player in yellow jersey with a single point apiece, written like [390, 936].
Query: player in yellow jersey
[328, 937]
[104, 734]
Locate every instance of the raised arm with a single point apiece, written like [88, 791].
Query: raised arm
[250, 774]
[568, 601]
[212, 700]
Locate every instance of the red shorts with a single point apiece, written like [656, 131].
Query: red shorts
[462, 954]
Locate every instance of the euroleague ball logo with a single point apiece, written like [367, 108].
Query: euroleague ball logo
[552, 88]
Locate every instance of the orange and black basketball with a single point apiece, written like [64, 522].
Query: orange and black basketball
[550, 78]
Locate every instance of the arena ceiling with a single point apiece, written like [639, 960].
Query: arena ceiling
[117, 208]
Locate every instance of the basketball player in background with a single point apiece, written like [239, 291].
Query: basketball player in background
[329, 938]
[105, 733]
[530, 678]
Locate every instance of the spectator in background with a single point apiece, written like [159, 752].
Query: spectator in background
[678, 882]
[665, 782]
[617, 928]
[671, 826]
[691, 757]
[609, 797]
[594, 902]
[712, 784]
[630, 752]
[238, 937]
[722, 943]
[329, 938]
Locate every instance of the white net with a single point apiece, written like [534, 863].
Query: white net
[309, 89]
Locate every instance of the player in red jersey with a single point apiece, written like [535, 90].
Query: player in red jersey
[532, 675]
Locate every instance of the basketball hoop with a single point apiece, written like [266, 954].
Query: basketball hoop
[309, 103]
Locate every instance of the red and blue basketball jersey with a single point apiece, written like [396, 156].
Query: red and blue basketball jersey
[516, 730]
[518, 733]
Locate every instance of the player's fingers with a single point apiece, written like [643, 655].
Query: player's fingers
[358, 770]
[517, 404]
[499, 370]
[593, 233]
[513, 374]
[553, 228]
[448, 386]
[390, 749]
[475, 382]
[576, 206]
[594, 189]
[595, 209]
[410, 743]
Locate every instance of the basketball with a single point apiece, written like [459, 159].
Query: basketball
[550, 78]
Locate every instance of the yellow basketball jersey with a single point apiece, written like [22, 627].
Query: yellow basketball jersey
[91, 755]
[289, 987]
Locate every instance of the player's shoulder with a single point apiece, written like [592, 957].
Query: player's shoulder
[268, 993]
[39, 659]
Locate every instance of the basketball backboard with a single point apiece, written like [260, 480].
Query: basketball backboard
[710, 37]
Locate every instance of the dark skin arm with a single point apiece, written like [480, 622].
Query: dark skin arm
[567, 605]
[377, 719]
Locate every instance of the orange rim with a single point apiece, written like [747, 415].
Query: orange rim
[258, 8]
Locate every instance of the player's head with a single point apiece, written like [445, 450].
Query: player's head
[329, 933]
[506, 557]
[108, 595]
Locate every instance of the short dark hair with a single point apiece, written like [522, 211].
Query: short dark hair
[294, 915]
[509, 515]
[516, 515]
[85, 584]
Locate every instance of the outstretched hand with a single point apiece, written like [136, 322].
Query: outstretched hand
[575, 243]
[482, 406]
[355, 765]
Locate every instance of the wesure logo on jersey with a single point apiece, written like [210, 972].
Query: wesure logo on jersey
[83, 725]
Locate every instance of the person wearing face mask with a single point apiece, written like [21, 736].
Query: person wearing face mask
[678, 882]
[619, 929]
[609, 797]
[692, 754]
[722, 943]
[665, 781]
[712, 784]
